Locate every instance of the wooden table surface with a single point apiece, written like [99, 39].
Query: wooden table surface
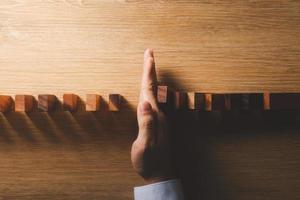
[96, 46]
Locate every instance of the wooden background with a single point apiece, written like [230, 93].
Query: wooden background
[96, 46]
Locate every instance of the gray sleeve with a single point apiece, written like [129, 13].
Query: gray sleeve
[167, 190]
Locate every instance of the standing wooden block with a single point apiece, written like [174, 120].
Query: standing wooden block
[162, 94]
[256, 101]
[218, 102]
[245, 102]
[227, 102]
[199, 101]
[208, 102]
[114, 103]
[266, 100]
[287, 101]
[180, 100]
[70, 102]
[235, 101]
[221, 102]
[92, 102]
[6, 103]
[24, 103]
[47, 102]
[191, 100]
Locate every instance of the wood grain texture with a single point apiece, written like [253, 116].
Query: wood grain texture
[96, 46]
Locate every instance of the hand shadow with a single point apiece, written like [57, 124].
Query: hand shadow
[217, 153]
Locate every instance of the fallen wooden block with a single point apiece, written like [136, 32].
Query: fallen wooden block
[92, 102]
[47, 102]
[24, 103]
[6, 103]
[70, 102]
[114, 103]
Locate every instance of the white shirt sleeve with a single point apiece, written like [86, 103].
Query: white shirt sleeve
[166, 190]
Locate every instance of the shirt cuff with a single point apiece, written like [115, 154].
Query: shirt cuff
[166, 190]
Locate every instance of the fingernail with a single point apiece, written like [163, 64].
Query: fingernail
[146, 108]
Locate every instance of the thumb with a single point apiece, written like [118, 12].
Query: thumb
[147, 121]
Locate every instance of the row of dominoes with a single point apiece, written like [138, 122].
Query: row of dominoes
[49, 103]
[165, 96]
[210, 102]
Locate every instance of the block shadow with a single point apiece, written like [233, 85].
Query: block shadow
[195, 136]
[64, 127]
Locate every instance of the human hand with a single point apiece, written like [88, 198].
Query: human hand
[150, 152]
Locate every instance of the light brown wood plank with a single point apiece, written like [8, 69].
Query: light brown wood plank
[96, 47]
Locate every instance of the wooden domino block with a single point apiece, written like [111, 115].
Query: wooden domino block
[92, 102]
[180, 100]
[70, 102]
[191, 100]
[245, 102]
[47, 102]
[208, 102]
[287, 101]
[235, 101]
[114, 103]
[6, 103]
[218, 102]
[24, 103]
[256, 101]
[162, 94]
[199, 101]
[227, 98]
[221, 102]
[266, 100]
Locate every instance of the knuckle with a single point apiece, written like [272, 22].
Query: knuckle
[148, 123]
[150, 60]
